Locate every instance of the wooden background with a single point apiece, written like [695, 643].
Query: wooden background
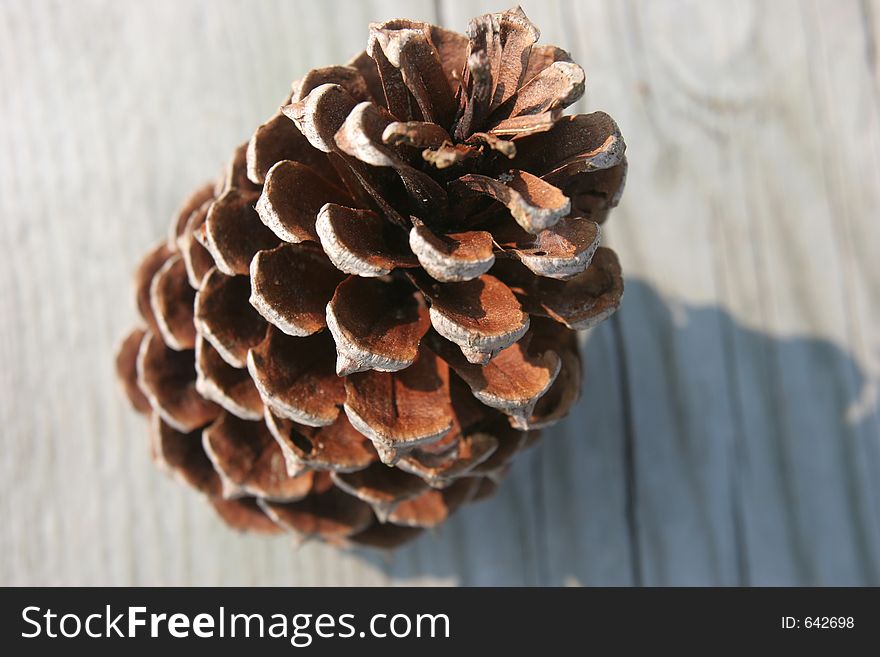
[728, 431]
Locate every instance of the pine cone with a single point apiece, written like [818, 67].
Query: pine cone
[390, 273]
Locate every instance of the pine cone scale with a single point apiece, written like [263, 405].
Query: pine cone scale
[297, 310]
[376, 325]
[229, 387]
[295, 377]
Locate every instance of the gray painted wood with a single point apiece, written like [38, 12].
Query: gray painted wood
[728, 431]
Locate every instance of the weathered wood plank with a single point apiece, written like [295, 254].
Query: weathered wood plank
[759, 388]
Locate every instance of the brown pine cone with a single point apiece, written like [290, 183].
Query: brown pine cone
[390, 273]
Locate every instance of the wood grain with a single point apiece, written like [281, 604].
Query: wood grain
[728, 431]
